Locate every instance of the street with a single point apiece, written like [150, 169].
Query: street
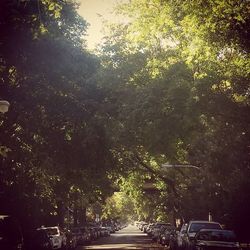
[128, 238]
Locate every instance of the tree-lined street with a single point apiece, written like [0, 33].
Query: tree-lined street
[87, 134]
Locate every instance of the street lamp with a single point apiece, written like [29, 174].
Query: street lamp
[4, 106]
[166, 165]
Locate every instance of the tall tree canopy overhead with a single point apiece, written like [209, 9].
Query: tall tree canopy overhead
[180, 70]
[59, 153]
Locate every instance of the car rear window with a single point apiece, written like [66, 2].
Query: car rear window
[196, 227]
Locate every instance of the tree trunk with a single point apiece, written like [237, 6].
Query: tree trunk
[75, 216]
[82, 216]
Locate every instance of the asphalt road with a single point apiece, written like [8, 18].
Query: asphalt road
[128, 238]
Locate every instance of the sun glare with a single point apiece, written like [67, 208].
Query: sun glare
[94, 12]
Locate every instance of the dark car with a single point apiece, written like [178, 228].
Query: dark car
[93, 233]
[82, 235]
[10, 234]
[71, 240]
[158, 228]
[193, 227]
[216, 240]
[104, 231]
[173, 245]
[164, 237]
[37, 239]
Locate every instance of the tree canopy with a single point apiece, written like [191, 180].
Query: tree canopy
[59, 155]
[180, 70]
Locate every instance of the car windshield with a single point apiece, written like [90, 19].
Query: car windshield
[228, 236]
[196, 227]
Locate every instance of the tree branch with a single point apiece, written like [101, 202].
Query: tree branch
[167, 180]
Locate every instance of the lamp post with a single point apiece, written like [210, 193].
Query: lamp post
[4, 106]
[167, 165]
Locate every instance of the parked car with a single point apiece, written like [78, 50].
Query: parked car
[216, 239]
[157, 228]
[143, 225]
[176, 241]
[71, 241]
[173, 241]
[93, 233]
[11, 237]
[37, 239]
[118, 226]
[82, 235]
[98, 230]
[150, 228]
[105, 231]
[111, 228]
[95, 230]
[192, 228]
[164, 237]
[145, 228]
[57, 237]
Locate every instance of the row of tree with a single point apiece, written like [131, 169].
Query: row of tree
[178, 72]
[59, 158]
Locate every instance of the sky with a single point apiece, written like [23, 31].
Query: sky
[93, 11]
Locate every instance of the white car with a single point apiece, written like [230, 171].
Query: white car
[58, 239]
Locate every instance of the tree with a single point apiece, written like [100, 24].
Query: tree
[180, 80]
[55, 128]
